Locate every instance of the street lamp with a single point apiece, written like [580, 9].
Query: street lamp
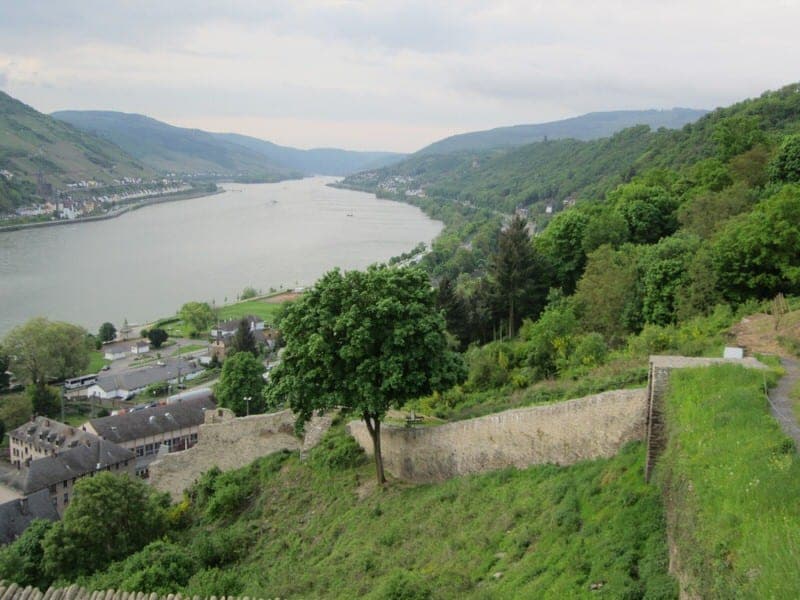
[247, 402]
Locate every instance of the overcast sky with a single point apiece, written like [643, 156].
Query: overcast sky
[390, 75]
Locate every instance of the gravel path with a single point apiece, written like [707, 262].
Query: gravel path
[781, 402]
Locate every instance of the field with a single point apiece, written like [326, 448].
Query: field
[731, 479]
[260, 308]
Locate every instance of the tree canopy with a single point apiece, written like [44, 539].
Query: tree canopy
[43, 350]
[197, 315]
[241, 377]
[157, 336]
[110, 516]
[107, 332]
[364, 341]
[244, 340]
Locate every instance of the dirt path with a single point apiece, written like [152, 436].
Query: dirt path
[781, 402]
[758, 333]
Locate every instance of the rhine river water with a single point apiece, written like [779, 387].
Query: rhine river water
[145, 264]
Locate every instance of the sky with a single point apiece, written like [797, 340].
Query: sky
[389, 75]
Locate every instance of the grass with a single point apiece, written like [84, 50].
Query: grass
[731, 480]
[96, 362]
[260, 308]
[189, 348]
[320, 529]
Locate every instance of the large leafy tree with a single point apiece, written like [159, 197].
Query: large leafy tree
[756, 254]
[4, 364]
[197, 315]
[42, 350]
[364, 341]
[157, 336]
[109, 517]
[516, 274]
[107, 332]
[244, 340]
[241, 378]
[786, 165]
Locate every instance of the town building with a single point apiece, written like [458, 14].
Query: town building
[51, 456]
[129, 383]
[164, 428]
[227, 329]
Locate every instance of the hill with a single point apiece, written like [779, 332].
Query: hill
[549, 172]
[316, 161]
[36, 148]
[585, 127]
[167, 148]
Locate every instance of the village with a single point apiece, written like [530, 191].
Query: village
[128, 427]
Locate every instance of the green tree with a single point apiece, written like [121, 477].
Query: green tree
[243, 340]
[21, 561]
[561, 244]
[197, 315]
[157, 336]
[648, 210]
[607, 296]
[516, 274]
[42, 350]
[5, 363]
[737, 134]
[109, 517]
[248, 292]
[664, 272]
[45, 400]
[756, 254]
[241, 377]
[785, 167]
[450, 302]
[364, 341]
[107, 332]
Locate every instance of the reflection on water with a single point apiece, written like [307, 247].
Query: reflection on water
[145, 264]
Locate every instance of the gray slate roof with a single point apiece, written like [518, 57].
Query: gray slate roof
[141, 378]
[16, 515]
[93, 455]
[153, 421]
[47, 434]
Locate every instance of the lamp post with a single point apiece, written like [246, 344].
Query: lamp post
[247, 402]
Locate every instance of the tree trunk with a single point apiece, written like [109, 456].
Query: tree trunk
[374, 428]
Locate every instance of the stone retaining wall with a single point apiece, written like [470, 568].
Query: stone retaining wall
[230, 443]
[562, 433]
[11, 591]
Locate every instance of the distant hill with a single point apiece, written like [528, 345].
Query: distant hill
[545, 173]
[33, 144]
[586, 127]
[167, 148]
[317, 161]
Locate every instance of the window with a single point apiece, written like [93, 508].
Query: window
[139, 451]
[66, 499]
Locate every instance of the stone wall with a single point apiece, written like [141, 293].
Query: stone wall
[562, 433]
[12, 591]
[229, 443]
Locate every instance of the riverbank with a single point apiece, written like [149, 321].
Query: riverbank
[184, 195]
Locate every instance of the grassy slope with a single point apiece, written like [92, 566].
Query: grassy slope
[31, 142]
[305, 531]
[732, 480]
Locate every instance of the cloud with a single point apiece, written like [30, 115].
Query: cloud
[387, 74]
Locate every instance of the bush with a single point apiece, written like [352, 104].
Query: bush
[405, 585]
[337, 451]
[247, 293]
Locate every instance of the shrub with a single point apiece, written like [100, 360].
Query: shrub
[337, 451]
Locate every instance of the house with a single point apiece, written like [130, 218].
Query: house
[140, 347]
[264, 338]
[58, 455]
[18, 513]
[168, 427]
[39, 438]
[228, 328]
[115, 351]
[129, 383]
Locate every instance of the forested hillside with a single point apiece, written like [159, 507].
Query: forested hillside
[167, 148]
[33, 144]
[585, 127]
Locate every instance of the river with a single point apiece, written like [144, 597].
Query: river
[145, 264]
